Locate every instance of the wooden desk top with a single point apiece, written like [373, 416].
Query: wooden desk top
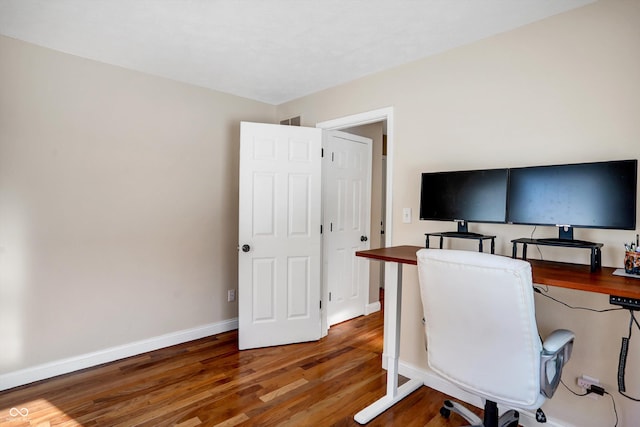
[577, 276]
[401, 254]
[564, 275]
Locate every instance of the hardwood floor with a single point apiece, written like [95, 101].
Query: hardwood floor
[209, 382]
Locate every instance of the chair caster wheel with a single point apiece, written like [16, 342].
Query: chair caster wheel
[445, 412]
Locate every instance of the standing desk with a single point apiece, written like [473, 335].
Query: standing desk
[564, 275]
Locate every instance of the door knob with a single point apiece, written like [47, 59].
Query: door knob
[363, 238]
[246, 248]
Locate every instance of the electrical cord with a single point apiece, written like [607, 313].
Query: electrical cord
[545, 289]
[615, 410]
[543, 293]
[572, 392]
[623, 358]
[537, 247]
[633, 317]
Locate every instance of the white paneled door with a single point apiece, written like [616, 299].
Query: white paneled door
[347, 218]
[279, 235]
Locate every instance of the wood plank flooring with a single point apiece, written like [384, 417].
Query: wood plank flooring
[209, 382]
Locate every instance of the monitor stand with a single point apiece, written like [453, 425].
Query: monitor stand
[463, 233]
[565, 238]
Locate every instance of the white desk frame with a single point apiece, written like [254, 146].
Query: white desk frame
[392, 306]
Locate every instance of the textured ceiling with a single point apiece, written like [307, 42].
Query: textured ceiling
[268, 50]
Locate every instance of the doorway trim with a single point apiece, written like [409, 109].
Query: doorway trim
[374, 116]
[365, 118]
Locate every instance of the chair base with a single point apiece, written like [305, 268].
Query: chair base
[491, 419]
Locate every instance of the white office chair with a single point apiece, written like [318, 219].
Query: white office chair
[482, 336]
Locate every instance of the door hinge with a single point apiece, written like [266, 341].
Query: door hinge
[322, 152]
[320, 304]
[332, 156]
[329, 296]
[331, 228]
[320, 228]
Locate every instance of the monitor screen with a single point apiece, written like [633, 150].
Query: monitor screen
[591, 195]
[475, 196]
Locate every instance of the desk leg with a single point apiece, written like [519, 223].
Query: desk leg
[392, 305]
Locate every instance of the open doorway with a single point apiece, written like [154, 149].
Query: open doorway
[377, 133]
[384, 120]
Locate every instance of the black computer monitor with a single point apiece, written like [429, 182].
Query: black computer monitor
[586, 195]
[464, 196]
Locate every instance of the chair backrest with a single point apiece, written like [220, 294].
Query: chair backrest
[480, 324]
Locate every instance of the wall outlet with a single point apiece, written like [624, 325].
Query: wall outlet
[231, 295]
[585, 381]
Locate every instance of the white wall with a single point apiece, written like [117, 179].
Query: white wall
[118, 205]
[566, 89]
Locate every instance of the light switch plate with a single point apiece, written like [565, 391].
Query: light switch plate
[406, 215]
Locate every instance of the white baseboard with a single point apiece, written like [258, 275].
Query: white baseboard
[71, 364]
[371, 308]
[431, 380]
